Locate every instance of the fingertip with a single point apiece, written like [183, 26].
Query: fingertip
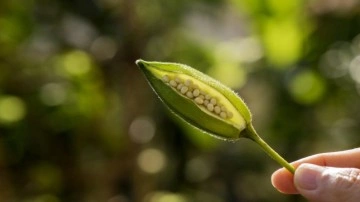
[283, 181]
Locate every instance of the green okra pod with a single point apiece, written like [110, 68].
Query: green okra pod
[203, 102]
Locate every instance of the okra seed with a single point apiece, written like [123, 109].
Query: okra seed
[166, 78]
[200, 97]
[184, 89]
[173, 83]
[196, 92]
[210, 107]
[177, 79]
[223, 115]
[188, 82]
[217, 109]
[213, 101]
[180, 86]
[189, 94]
[199, 100]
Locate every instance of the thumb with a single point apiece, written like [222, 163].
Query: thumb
[328, 184]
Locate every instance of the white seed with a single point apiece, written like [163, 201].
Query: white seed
[189, 94]
[217, 109]
[166, 78]
[223, 115]
[173, 83]
[179, 86]
[213, 101]
[177, 79]
[199, 100]
[188, 82]
[191, 90]
[210, 107]
[196, 92]
[229, 114]
[184, 89]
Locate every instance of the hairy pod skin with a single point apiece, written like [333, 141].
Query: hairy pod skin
[198, 99]
[204, 103]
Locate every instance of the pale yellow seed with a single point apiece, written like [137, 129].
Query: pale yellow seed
[200, 96]
[210, 107]
[196, 92]
[184, 89]
[177, 79]
[173, 83]
[199, 100]
[229, 114]
[223, 115]
[189, 94]
[188, 82]
[166, 78]
[213, 101]
[180, 86]
[217, 109]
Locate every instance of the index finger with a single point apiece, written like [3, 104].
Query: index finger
[283, 179]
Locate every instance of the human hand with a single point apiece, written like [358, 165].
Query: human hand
[326, 177]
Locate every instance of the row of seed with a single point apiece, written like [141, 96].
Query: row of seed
[200, 97]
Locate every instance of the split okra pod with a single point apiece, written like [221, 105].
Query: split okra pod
[204, 103]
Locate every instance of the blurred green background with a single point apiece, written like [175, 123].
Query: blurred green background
[78, 122]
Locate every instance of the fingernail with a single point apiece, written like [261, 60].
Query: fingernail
[306, 176]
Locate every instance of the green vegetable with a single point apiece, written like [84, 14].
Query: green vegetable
[204, 103]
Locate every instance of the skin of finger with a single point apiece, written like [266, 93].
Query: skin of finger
[283, 180]
[338, 184]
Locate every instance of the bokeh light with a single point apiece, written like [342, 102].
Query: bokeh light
[335, 63]
[12, 109]
[151, 160]
[53, 94]
[165, 197]
[103, 48]
[355, 69]
[198, 169]
[142, 129]
[76, 63]
[307, 87]
[283, 41]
